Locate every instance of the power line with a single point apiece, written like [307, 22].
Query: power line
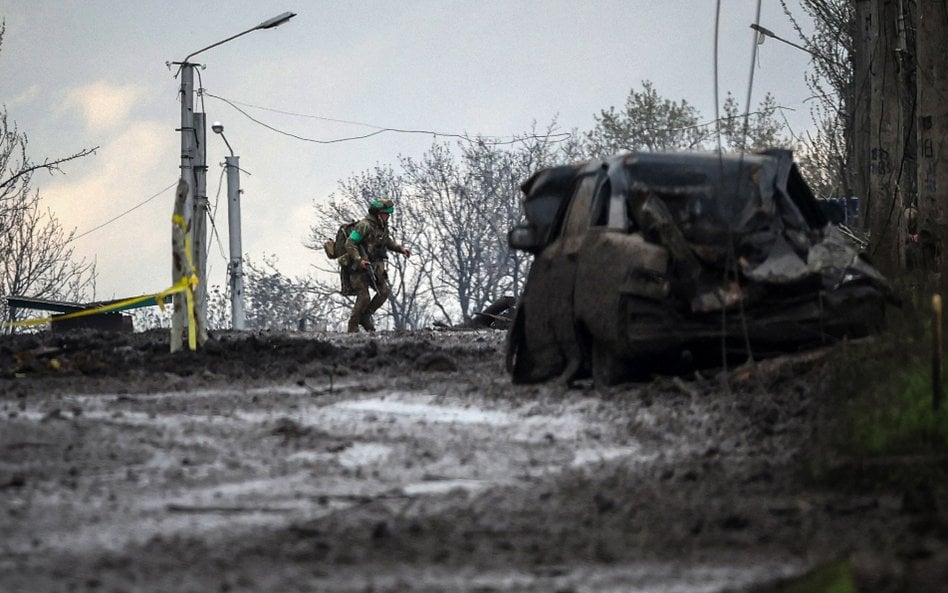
[213, 213]
[308, 116]
[378, 129]
[135, 207]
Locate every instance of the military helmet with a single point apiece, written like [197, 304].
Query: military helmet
[381, 206]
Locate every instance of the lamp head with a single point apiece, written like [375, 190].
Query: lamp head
[276, 21]
[762, 31]
[218, 127]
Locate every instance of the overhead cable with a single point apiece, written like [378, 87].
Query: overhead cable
[135, 207]
[560, 137]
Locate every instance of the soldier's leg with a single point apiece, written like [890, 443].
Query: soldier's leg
[377, 301]
[362, 303]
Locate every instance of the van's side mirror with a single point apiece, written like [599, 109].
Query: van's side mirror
[525, 238]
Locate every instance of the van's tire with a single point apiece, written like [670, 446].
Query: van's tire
[517, 359]
[607, 368]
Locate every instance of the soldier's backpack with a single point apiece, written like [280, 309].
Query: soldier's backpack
[336, 249]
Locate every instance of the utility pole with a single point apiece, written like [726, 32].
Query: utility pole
[235, 267]
[193, 191]
[886, 137]
[179, 319]
[199, 226]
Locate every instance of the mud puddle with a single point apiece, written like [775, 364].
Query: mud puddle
[400, 444]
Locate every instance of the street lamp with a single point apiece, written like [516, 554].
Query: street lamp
[763, 33]
[193, 159]
[235, 266]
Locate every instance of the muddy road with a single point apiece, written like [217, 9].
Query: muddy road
[408, 462]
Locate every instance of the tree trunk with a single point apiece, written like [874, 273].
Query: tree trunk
[908, 173]
[886, 138]
[932, 125]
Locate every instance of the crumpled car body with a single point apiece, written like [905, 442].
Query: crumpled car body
[652, 263]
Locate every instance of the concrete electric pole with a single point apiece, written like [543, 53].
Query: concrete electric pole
[193, 175]
[235, 267]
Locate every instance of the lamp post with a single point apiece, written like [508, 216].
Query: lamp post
[193, 151]
[235, 266]
[763, 33]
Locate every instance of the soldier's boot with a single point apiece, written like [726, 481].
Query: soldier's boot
[367, 323]
[353, 326]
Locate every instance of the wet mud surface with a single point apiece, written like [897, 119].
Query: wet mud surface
[408, 462]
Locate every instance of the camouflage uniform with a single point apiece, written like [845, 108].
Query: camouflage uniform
[370, 240]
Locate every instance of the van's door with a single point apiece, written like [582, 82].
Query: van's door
[548, 345]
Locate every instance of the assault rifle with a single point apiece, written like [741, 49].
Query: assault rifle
[369, 269]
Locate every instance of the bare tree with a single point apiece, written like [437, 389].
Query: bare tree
[831, 155]
[36, 258]
[651, 122]
[437, 185]
[648, 122]
[496, 173]
[277, 302]
[824, 156]
[752, 131]
[493, 192]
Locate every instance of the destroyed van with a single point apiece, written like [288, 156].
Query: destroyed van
[651, 263]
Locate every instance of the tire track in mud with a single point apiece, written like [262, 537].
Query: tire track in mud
[397, 445]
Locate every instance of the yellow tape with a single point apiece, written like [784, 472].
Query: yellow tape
[186, 285]
[190, 282]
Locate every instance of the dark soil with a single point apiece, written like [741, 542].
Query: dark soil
[409, 462]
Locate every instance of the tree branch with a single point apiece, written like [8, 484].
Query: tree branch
[48, 165]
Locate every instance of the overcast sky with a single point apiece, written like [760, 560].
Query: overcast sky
[81, 73]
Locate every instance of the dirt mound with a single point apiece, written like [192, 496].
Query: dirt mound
[104, 360]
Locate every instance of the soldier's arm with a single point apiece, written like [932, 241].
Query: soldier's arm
[391, 245]
[354, 241]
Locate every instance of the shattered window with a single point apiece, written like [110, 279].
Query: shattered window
[541, 210]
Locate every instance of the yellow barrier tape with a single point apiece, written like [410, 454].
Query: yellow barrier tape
[186, 285]
[190, 281]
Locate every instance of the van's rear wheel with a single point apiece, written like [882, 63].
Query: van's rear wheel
[518, 360]
[607, 368]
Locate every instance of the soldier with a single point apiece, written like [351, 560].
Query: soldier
[366, 250]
